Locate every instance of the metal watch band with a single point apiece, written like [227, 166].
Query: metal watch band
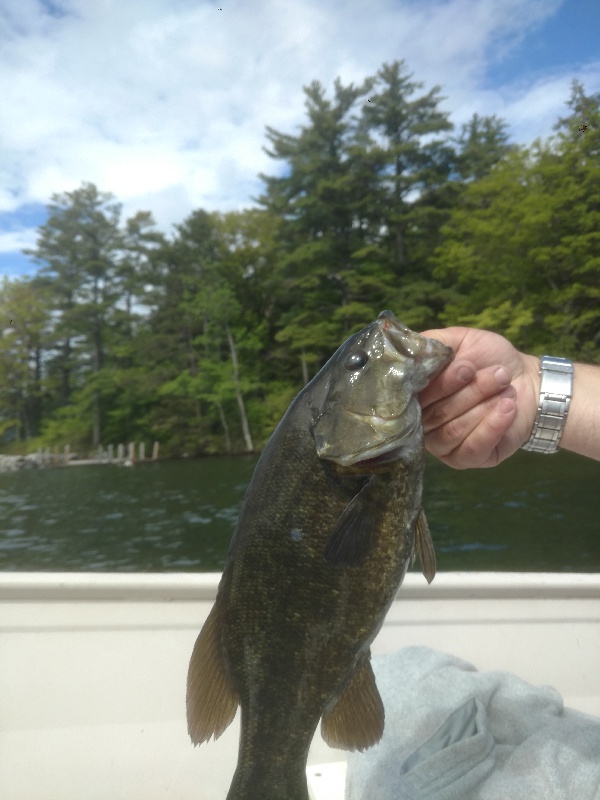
[556, 391]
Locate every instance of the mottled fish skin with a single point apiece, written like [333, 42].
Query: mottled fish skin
[322, 544]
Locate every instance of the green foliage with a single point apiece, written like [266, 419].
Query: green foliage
[25, 314]
[522, 248]
[67, 425]
[201, 340]
[483, 142]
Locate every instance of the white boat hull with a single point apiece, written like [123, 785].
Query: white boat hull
[93, 670]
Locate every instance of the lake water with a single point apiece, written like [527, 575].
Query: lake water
[532, 513]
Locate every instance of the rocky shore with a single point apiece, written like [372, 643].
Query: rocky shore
[14, 463]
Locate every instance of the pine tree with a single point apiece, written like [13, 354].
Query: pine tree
[483, 142]
[78, 247]
[25, 319]
[328, 279]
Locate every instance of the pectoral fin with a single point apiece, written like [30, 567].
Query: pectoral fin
[424, 547]
[352, 536]
[211, 701]
[356, 720]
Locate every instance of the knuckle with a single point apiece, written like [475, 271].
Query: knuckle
[473, 451]
[453, 431]
[434, 416]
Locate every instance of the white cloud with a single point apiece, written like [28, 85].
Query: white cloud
[164, 102]
[531, 108]
[15, 241]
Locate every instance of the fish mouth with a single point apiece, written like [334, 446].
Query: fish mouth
[402, 338]
[431, 355]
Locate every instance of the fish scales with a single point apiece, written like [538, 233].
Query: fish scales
[327, 529]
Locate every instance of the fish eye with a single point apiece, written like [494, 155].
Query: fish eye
[355, 361]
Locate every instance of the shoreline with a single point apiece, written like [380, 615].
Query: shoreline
[17, 463]
[36, 461]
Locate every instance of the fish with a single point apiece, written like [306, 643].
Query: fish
[329, 524]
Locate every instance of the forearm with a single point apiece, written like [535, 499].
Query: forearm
[582, 428]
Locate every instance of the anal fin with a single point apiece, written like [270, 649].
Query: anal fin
[210, 699]
[356, 720]
[424, 547]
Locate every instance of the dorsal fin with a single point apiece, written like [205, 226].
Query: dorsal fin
[211, 700]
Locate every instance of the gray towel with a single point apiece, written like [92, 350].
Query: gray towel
[453, 733]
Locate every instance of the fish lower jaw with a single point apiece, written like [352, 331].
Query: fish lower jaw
[387, 457]
[392, 450]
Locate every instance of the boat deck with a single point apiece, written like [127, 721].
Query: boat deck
[92, 686]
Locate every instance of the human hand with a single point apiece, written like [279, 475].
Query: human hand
[481, 409]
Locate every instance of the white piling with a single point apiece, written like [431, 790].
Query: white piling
[155, 451]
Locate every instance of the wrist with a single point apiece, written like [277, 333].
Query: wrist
[582, 429]
[531, 393]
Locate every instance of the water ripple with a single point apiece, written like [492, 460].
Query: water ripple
[529, 514]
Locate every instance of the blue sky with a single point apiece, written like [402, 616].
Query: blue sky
[165, 102]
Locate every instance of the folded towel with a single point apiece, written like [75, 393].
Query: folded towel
[453, 733]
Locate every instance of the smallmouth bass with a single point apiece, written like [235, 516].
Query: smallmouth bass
[329, 524]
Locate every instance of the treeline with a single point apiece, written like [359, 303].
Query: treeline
[201, 339]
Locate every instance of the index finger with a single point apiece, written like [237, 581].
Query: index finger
[458, 374]
[452, 337]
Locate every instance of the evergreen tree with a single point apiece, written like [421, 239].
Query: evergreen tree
[329, 281]
[483, 142]
[217, 301]
[139, 241]
[24, 321]
[178, 268]
[416, 162]
[78, 246]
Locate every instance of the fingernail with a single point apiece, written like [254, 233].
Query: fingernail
[464, 374]
[502, 376]
[506, 405]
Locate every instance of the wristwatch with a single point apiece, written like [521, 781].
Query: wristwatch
[556, 391]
